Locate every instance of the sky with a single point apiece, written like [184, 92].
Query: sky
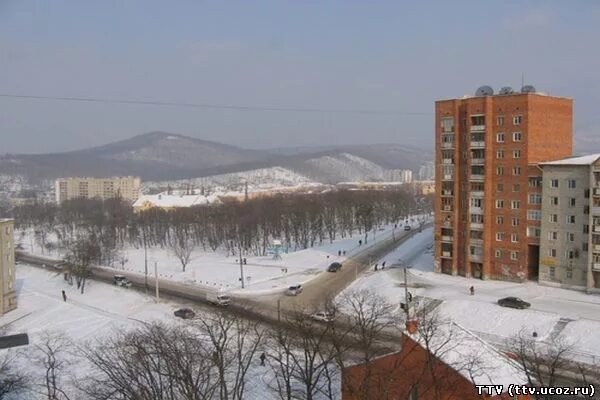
[336, 58]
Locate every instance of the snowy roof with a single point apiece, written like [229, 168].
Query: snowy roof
[6, 219]
[175, 200]
[472, 357]
[582, 160]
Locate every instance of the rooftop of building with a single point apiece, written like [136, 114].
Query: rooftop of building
[2, 220]
[487, 91]
[97, 177]
[580, 160]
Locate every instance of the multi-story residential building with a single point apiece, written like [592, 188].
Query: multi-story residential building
[488, 184]
[124, 187]
[8, 294]
[570, 239]
[399, 175]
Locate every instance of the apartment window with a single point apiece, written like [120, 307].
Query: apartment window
[500, 120]
[499, 236]
[553, 200]
[517, 119]
[570, 237]
[498, 253]
[517, 136]
[499, 137]
[552, 272]
[447, 124]
[516, 153]
[586, 228]
[586, 193]
[552, 235]
[572, 202]
[476, 202]
[514, 255]
[571, 183]
[570, 219]
[584, 246]
[553, 218]
[500, 187]
[516, 171]
[516, 187]
[499, 203]
[533, 231]
[500, 154]
[535, 181]
[571, 254]
[535, 198]
[515, 204]
[499, 171]
[534, 215]
[569, 273]
[514, 238]
[500, 220]
[551, 252]
[554, 183]
[515, 222]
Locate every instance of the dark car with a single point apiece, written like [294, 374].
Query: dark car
[121, 280]
[513, 302]
[185, 313]
[407, 227]
[334, 267]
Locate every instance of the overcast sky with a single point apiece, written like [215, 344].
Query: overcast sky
[393, 57]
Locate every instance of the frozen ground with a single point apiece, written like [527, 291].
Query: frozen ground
[555, 313]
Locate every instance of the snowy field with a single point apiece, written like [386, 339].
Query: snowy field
[555, 313]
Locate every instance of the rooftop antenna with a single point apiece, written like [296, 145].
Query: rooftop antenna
[522, 79]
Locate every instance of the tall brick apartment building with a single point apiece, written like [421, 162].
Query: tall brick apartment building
[488, 184]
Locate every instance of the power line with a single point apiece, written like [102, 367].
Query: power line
[211, 106]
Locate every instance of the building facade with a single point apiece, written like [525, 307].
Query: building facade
[488, 184]
[570, 236]
[8, 294]
[124, 187]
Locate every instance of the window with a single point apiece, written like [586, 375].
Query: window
[514, 237]
[569, 273]
[498, 253]
[517, 136]
[499, 203]
[516, 171]
[500, 120]
[535, 181]
[514, 255]
[500, 154]
[475, 202]
[516, 153]
[586, 193]
[499, 137]
[517, 119]
[515, 222]
[447, 124]
[535, 198]
[500, 220]
[534, 215]
[552, 272]
[553, 218]
[584, 246]
[571, 254]
[554, 183]
[570, 237]
[515, 204]
[499, 236]
[516, 187]
[500, 187]
[551, 252]
[552, 235]
[533, 231]
[499, 171]
[570, 219]
[571, 183]
[553, 200]
[586, 228]
[572, 202]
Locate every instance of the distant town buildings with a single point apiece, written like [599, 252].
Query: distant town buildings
[488, 183]
[8, 294]
[427, 171]
[172, 200]
[398, 175]
[124, 187]
[570, 219]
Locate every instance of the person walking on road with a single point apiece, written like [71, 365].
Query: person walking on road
[262, 359]
[472, 290]
[64, 295]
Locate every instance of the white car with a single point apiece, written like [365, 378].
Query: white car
[323, 316]
[294, 290]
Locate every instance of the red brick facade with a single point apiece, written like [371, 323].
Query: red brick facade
[487, 148]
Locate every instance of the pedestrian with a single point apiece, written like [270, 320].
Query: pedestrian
[375, 266]
[244, 260]
[339, 253]
[360, 242]
[383, 265]
[328, 256]
[409, 297]
[535, 334]
[472, 290]
[262, 359]
[64, 295]
[344, 252]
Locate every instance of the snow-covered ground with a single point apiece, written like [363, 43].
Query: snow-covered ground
[555, 313]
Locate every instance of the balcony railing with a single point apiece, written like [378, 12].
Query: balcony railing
[596, 266]
[476, 225]
[476, 177]
[476, 257]
[596, 229]
[448, 177]
[446, 254]
[596, 191]
[446, 238]
[477, 128]
[476, 241]
[478, 161]
[447, 161]
[447, 224]
[446, 208]
[478, 145]
[447, 145]
[475, 210]
[477, 193]
[447, 193]
[596, 211]
[596, 248]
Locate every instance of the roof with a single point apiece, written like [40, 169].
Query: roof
[171, 201]
[581, 160]
[6, 220]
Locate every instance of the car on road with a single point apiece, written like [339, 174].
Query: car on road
[323, 316]
[513, 302]
[334, 267]
[121, 280]
[185, 313]
[294, 290]
[407, 227]
[218, 299]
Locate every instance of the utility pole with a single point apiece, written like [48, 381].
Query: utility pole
[241, 267]
[156, 280]
[145, 263]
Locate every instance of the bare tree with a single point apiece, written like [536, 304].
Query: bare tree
[50, 354]
[82, 252]
[182, 246]
[13, 382]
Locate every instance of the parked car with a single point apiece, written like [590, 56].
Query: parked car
[185, 313]
[407, 227]
[294, 290]
[513, 302]
[121, 280]
[218, 299]
[323, 316]
[334, 267]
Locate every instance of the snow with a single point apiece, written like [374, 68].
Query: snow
[582, 160]
[164, 200]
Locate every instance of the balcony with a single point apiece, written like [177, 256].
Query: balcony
[476, 177]
[596, 211]
[596, 229]
[476, 225]
[446, 208]
[446, 254]
[596, 192]
[448, 177]
[477, 128]
[475, 210]
[596, 248]
[447, 239]
[476, 257]
[478, 161]
[596, 266]
[477, 193]
[478, 145]
[447, 193]
[447, 145]
[447, 224]
[447, 161]
[476, 241]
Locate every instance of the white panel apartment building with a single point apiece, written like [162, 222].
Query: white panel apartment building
[8, 294]
[570, 231]
[125, 187]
